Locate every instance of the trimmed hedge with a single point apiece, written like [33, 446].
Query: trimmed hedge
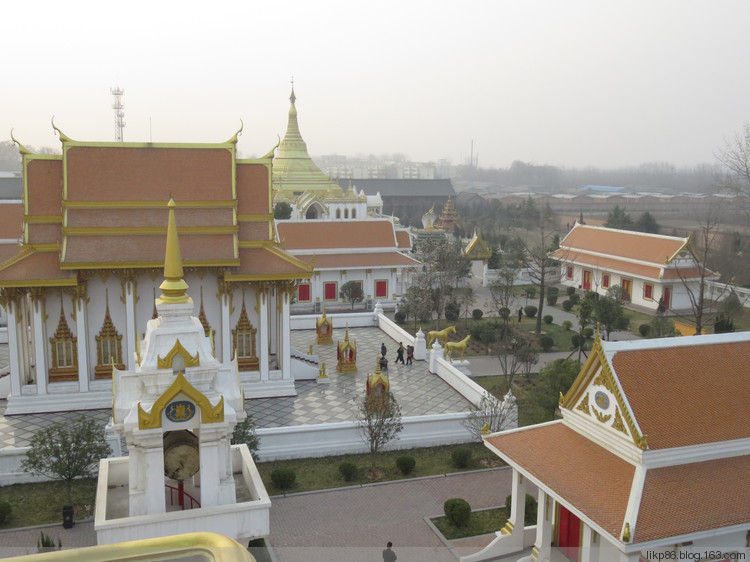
[461, 457]
[548, 319]
[348, 471]
[406, 464]
[567, 305]
[546, 342]
[283, 478]
[530, 311]
[457, 511]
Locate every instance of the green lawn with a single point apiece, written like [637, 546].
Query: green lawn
[41, 503]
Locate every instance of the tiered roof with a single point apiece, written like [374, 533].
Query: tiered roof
[651, 436]
[653, 256]
[102, 205]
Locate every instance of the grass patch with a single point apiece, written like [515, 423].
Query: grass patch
[481, 523]
[323, 473]
[41, 503]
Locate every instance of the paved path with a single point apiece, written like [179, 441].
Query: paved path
[314, 527]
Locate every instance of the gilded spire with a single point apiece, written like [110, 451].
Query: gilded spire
[173, 288]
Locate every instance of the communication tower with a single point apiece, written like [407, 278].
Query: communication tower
[117, 93]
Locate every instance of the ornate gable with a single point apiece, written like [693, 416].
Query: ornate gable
[597, 395]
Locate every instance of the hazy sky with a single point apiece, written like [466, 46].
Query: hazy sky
[564, 82]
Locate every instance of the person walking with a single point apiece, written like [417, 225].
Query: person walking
[400, 353]
[409, 354]
[388, 554]
[520, 313]
[383, 350]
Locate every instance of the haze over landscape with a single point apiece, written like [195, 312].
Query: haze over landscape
[572, 83]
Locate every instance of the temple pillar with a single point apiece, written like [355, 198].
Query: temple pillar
[38, 318]
[285, 332]
[369, 289]
[589, 551]
[263, 330]
[11, 302]
[146, 473]
[274, 332]
[80, 306]
[225, 298]
[515, 525]
[216, 480]
[543, 544]
[129, 298]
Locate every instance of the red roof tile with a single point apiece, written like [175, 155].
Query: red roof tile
[312, 235]
[559, 457]
[650, 248]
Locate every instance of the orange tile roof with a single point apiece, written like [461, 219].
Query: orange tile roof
[559, 457]
[267, 263]
[138, 173]
[31, 267]
[404, 240]
[608, 264]
[11, 220]
[362, 259]
[687, 498]
[687, 394]
[650, 248]
[312, 235]
[44, 179]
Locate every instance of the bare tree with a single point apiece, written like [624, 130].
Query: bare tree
[699, 249]
[502, 289]
[379, 421]
[492, 414]
[735, 157]
[540, 266]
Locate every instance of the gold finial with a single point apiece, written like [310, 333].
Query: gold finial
[486, 429]
[173, 288]
[377, 365]
[626, 533]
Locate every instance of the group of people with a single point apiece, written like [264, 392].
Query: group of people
[409, 349]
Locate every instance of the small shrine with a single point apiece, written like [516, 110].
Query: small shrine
[346, 355]
[448, 217]
[323, 377]
[177, 409]
[324, 330]
[378, 384]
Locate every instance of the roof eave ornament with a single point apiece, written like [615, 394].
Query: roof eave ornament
[21, 148]
[270, 154]
[236, 136]
[63, 136]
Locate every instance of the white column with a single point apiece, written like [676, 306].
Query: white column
[273, 296]
[435, 352]
[83, 342]
[40, 344]
[146, 473]
[285, 334]
[369, 289]
[217, 484]
[263, 329]
[589, 551]
[226, 327]
[25, 335]
[545, 514]
[14, 351]
[517, 510]
[130, 325]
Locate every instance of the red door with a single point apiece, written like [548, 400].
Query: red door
[627, 286]
[667, 297]
[587, 279]
[569, 534]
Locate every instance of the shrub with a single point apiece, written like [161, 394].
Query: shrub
[348, 471]
[529, 517]
[570, 291]
[406, 464]
[567, 324]
[530, 311]
[547, 319]
[477, 314]
[575, 299]
[5, 509]
[546, 342]
[461, 457]
[45, 543]
[567, 305]
[588, 333]
[452, 310]
[504, 312]
[457, 511]
[400, 317]
[644, 329]
[551, 300]
[283, 478]
[576, 340]
[553, 291]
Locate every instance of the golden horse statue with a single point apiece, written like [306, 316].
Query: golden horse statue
[452, 347]
[441, 336]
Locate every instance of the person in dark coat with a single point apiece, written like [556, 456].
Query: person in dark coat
[520, 313]
[409, 354]
[388, 554]
[383, 350]
[400, 353]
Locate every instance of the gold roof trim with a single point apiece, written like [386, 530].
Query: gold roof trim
[209, 413]
[21, 148]
[178, 349]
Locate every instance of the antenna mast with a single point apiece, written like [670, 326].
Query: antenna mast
[117, 93]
